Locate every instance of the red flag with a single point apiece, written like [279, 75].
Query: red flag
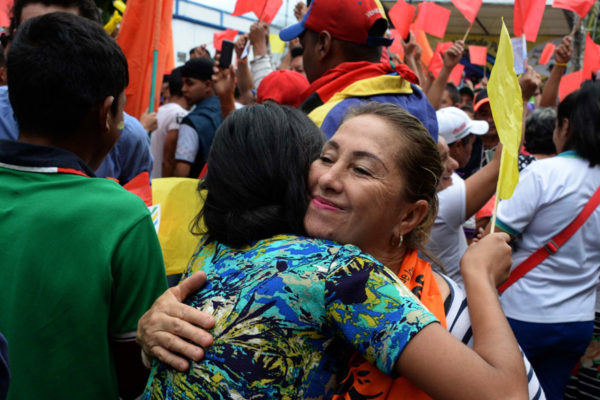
[437, 61]
[396, 46]
[579, 7]
[591, 60]
[433, 19]
[468, 8]
[478, 55]
[218, 37]
[456, 74]
[528, 18]
[547, 53]
[422, 41]
[5, 7]
[569, 83]
[402, 15]
[146, 23]
[265, 10]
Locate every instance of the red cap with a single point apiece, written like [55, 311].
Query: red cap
[283, 87]
[348, 20]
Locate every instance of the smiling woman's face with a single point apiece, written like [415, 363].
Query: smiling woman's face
[355, 186]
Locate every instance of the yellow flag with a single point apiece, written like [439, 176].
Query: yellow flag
[506, 103]
[277, 45]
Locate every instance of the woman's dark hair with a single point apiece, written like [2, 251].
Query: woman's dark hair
[539, 129]
[86, 9]
[257, 175]
[418, 160]
[60, 66]
[582, 109]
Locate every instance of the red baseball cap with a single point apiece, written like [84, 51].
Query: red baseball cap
[356, 21]
[283, 87]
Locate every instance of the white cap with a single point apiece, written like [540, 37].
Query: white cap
[454, 124]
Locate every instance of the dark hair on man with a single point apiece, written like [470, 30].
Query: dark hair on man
[257, 175]
[453, 92]
[87, 9]
[582, 109]
[297, 51]
[175, 82]
[59, 67]
[198, 68]
[2, 60]
[539, 129]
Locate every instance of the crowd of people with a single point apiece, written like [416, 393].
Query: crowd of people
[344, 245]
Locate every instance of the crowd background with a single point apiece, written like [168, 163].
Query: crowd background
[331, 67]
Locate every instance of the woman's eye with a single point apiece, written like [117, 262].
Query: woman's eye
[362, 171]
[325, 159]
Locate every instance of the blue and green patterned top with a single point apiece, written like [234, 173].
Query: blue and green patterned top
[290, 311]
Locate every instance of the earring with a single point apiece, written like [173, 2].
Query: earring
[393, 241]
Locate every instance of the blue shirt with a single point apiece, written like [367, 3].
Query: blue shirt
[128, 158]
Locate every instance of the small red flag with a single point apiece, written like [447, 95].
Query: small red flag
[436, 64]
[591, 59]
[265, 10]
[579, 7]
[402, 15]
[396, 46]
[5, 7]
[527, 18]
[478, 55]
[437, 61]
[547, 53]
[468, 8]
[227, 34]
[569, 83]
[433, 19]
[456, 74]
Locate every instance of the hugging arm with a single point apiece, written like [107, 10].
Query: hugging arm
[163, 330]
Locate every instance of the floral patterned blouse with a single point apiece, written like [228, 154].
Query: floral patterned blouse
[290, 311]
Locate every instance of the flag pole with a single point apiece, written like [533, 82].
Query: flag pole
[576, 27]
[156, 38]
[467, 33]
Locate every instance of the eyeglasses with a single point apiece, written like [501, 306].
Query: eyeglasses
[4, 39]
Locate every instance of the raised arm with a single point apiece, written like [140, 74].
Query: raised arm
[562, 56]
[445, 368]
[451, 58]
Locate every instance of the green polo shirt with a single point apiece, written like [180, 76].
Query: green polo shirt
[80, 262]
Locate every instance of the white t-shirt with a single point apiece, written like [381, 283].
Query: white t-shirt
[187, 144]
[549, 196]
[169, 118]
[447, 240]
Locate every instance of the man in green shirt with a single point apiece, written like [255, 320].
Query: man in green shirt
[79, 258]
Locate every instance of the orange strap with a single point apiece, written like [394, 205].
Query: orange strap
[365, 381]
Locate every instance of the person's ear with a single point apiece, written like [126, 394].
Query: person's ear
[412, 215]
[324, 44]
[104, 113]
[563, 131]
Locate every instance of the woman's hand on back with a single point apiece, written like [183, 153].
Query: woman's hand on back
[162, 330]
